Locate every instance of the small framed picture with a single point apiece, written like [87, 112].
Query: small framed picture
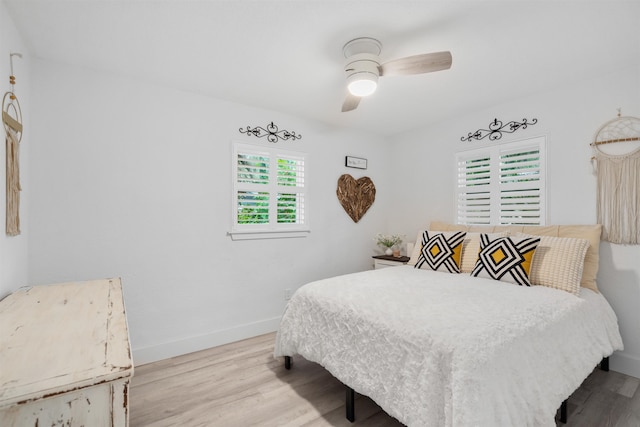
[355, 162]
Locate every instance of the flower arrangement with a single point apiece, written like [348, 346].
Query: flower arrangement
[388, 240]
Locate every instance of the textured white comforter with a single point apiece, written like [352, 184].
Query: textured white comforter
[439, 349]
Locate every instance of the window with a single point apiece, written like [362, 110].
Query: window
[269, 194]
[502, 184]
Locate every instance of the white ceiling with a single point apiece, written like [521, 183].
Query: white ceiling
[287, 55]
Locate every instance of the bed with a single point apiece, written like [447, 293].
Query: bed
[435, 348]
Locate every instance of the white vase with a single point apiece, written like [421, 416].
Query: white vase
[389, 252]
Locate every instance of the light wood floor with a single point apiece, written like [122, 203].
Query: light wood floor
[241, 384]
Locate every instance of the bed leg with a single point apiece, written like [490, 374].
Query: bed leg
[287, 362]
[604, 365]
[350, 404]
[563, 412]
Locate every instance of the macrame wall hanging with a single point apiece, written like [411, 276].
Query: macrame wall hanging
[618, 174]
[12, 122]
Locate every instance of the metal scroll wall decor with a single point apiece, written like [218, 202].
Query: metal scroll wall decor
[272, 133]
[496, 129]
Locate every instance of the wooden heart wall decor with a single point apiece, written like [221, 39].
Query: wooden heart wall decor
[356, 196]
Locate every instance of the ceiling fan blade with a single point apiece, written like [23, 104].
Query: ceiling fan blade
[417, 64]
[350, 102]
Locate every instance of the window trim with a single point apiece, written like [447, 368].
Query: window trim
[271, 230]
[494, 151]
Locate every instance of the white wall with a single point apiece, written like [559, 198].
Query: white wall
[13, 250]
[569, 116]
[134, 180]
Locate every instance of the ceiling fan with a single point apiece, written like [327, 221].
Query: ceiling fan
[363, 67]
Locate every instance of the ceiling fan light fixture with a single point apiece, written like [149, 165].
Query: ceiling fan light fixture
[363, 66]
[362, 84]
[362, 71]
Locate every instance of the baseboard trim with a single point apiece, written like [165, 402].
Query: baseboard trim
[201, 342]
[625, 364]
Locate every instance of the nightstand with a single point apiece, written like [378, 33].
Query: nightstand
[384, 261]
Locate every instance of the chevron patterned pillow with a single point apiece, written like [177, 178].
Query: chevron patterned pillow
[441, 251]
[507, 259]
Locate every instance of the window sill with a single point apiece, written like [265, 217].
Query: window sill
[257, 235]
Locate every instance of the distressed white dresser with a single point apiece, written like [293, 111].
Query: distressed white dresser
[65, 357]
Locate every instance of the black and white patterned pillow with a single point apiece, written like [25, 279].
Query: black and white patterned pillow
[441, 251]
[507, 259]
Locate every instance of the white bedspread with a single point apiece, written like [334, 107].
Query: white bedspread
[439, 349]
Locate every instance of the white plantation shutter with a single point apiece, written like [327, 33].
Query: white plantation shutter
[269, 192]
[291, 190]
[520, 187]
[252, 177]
[474, 189]
[502, 184]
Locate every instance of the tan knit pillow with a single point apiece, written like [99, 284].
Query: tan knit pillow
[591, 260]
[558, 262]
